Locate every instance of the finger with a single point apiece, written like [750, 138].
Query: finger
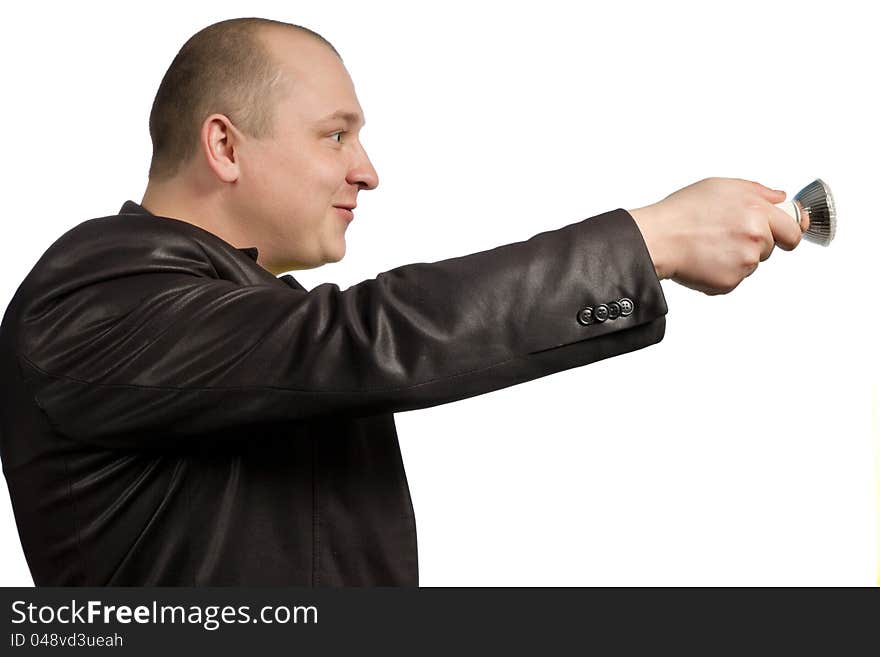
[805, 219]
[769, 245]
[786, 233]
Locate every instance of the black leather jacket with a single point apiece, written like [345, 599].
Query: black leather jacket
[174, 414]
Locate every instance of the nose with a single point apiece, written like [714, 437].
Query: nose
[362, 172]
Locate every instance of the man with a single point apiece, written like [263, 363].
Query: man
[177, 414]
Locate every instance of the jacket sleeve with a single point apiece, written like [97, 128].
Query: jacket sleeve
[193, 354]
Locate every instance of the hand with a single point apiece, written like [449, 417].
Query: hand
[712, 234]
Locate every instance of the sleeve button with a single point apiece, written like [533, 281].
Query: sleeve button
[585, 316]
[600, 313]
[626, 306]
[614, 310]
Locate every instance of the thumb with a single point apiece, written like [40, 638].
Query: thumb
[772, 195]
[775, 195]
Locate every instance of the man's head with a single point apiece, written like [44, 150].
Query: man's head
[245, 145]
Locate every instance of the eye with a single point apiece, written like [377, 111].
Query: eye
[341, 132]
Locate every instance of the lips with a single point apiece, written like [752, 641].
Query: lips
[345, 212]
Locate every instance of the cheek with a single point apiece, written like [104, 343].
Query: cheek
[305, 180]
[329, 173]
[294, 183]
[326, 164]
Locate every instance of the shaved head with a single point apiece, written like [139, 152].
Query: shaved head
[233, 68]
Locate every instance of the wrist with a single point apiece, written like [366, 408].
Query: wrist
[648, 221]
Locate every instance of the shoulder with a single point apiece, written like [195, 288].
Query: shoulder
[110, 267]
[102, 266]
[127, 244]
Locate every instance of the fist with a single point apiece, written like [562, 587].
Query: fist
[712, 234]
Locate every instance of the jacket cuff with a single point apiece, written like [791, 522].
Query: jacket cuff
[615, 284]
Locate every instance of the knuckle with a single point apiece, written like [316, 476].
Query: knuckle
[756, 232]
[751, 256]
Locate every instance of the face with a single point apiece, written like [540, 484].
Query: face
[288, 186]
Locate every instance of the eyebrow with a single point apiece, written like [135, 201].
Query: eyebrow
[351, 117]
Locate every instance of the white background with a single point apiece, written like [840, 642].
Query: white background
[740, 449]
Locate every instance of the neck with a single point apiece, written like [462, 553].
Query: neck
[205, 211]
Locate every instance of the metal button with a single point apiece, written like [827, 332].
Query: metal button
[585, 316]
[626, 306]
[614, 310]
[600, 313]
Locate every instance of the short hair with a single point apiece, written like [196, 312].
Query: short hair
[224, 68]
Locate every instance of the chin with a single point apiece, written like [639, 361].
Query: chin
[339, 254]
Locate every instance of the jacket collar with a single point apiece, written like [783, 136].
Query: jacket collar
[130, 207]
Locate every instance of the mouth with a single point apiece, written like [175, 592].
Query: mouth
[345, 212]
